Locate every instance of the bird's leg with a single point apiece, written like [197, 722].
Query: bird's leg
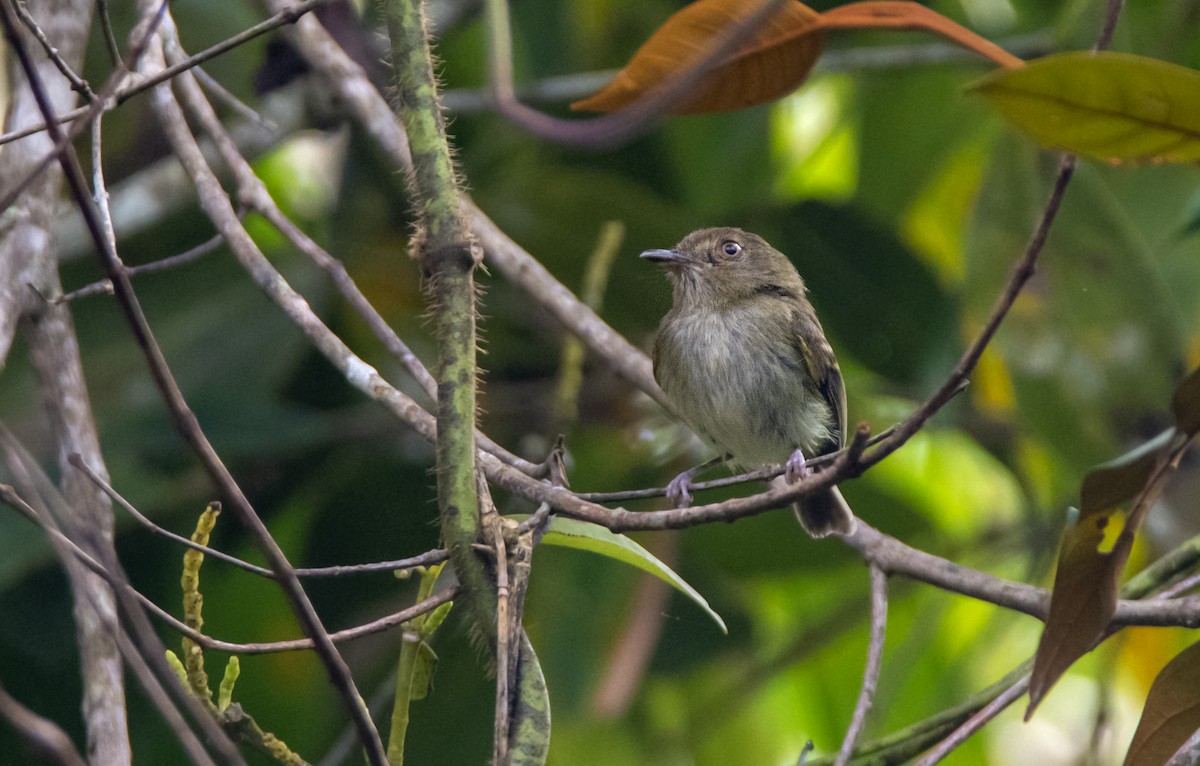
[678, 493]
[796, 468]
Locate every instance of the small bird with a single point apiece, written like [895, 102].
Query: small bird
[743, 357]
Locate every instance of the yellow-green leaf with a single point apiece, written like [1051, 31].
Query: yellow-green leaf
[422, 679]
[1111, 106]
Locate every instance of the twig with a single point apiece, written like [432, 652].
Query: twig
[424, 559]
[223, 94]
[110, 39]
[349, 634]
[288, 14]
[151, 658]
[763, 474]
[43, 735]
[504, 651]
[428, 558]
[61, 140]
[1178, 589]
[57, 537]
[618, 127]
[904, 745]
[866, 695]
[77, 83]
[104, 286]
[975, 723]
[253, 193]
[1020, 274]
[1111, 14]
[189, 428]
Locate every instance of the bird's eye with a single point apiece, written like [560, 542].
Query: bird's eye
[731, 248]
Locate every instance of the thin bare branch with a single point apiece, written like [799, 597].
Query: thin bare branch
[43, 735]
[226, 97]
[147, 657]
[105, 287]
[288, 14]
[975, 723]
[82, 116]
[190, 428]
[77, 83]
[620, 126]
[1020, 274]
[110, 39]
[866, 694]
[253, 193]
[69, 547]
[424, 559]
[1111, 14]
[349, 634]
[28, 260]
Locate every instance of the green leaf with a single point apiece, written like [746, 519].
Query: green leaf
[422, 679]
[1109, 106]
[585, 536]
[529, 737]
[434, 619]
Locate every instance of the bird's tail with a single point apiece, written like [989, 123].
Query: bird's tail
[825, 513]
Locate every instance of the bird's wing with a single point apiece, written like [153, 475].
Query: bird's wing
[824, 371]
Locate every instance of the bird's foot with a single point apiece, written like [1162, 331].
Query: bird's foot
[796, 468]
[678, 494]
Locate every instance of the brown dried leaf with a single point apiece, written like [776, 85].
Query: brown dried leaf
[1090, 561]
[769, 64]
[1172, 711]
[887, 14]
[773, 62]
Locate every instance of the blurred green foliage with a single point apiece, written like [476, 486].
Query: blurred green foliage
[903, 205]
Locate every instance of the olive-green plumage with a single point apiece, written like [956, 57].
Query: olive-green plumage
[743, 357]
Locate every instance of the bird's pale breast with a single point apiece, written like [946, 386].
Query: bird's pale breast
[737, 378]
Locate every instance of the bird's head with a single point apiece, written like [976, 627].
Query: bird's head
[721, 266]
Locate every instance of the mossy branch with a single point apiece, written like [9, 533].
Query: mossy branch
[448, 256]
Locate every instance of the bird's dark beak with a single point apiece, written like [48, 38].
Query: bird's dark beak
[665, 256]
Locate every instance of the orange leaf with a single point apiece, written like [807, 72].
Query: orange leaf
[770, 63]
[882, 14]
[1172, 711]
